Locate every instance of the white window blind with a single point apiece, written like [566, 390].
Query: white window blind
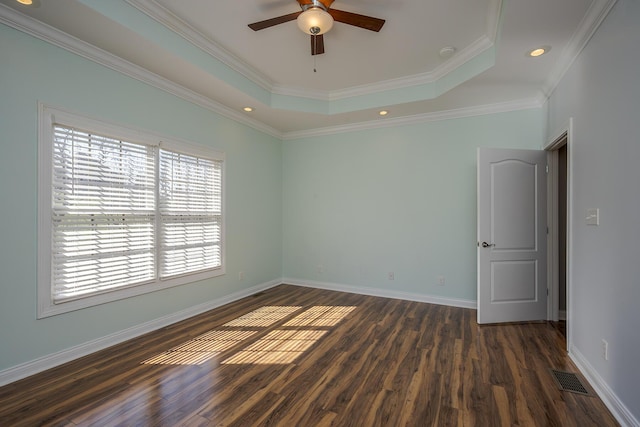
[190, 206]
[123, 217]
[103, 213]
[122, 212]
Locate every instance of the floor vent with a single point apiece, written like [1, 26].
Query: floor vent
[568, 381]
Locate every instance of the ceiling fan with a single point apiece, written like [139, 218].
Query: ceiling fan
[316, 18]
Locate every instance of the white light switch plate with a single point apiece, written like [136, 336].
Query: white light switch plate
[593, 216]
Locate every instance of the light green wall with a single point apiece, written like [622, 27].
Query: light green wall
[32, 71]
[402, 199]
[360, 204]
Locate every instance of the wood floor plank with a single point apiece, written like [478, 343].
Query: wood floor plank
[384, 362]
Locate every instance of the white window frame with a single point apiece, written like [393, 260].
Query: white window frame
[48, 116]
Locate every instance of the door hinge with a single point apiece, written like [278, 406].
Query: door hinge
[546, 168]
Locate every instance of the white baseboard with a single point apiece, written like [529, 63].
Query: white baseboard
[615, 405]
[55, 359]
[384, 293]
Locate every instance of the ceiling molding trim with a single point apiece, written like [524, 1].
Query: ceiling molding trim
[44, 32]
[503, 107]
[597, 12]
[474, 49]
[494, 19]
[458, 60]
[166, 18]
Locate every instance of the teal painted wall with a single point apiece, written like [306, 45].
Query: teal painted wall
[359, 204]
[402, 199]
[32, 71]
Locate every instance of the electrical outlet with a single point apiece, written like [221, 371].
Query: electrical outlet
[440, 280]
[391, 276]
[605, 350]
[241, 275]
[320, 268]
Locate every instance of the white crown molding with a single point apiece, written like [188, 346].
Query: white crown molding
[597, 12]
[524, 104]
[55, 359]
[42, 31]
[163, 16]
[592, 20]
[494, 19]
[606, 394]
[383, 293]
[458, 60]
[160, 14]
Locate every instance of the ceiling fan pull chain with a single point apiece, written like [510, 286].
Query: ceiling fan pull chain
[315, 57]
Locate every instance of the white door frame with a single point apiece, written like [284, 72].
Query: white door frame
[555, 142]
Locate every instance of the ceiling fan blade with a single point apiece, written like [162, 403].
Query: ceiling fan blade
[256, 26]
[362, 21]
[317, 45]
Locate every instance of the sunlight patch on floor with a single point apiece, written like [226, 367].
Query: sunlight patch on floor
[277, 347]
[200, 349]
[321, 316]
[264, 316]
[281, 346]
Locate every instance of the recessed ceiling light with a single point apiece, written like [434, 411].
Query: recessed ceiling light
[539, 51]
[248, 109]
[31, 3]
[383, 112]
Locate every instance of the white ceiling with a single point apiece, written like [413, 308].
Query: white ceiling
[203, 50]
[353, 56]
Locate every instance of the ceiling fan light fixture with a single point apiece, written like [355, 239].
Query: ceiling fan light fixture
[315, 21]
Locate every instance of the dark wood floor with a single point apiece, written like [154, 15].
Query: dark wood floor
[301, 357]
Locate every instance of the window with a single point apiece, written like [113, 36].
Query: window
[122, 213]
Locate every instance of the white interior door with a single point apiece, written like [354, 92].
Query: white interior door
[512, 258]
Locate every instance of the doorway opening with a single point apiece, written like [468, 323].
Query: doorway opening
[562, 232]
[558, 183]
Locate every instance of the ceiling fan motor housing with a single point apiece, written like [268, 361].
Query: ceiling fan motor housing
[315, 20]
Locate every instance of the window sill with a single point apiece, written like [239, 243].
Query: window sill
[48, 308]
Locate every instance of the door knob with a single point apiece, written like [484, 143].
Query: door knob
[487, 245]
